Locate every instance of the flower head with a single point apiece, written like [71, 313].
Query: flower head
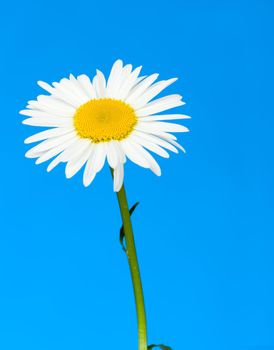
[91, 122]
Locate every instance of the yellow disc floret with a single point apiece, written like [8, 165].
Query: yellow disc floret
[104, 120]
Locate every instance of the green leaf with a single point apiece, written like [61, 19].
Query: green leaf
[160, 346]
[122, 232]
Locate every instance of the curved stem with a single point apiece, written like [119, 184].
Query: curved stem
[134, 270]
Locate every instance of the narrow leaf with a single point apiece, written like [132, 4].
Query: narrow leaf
[122, 231]
[160, 346]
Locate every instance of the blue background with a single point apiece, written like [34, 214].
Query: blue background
[204, 230]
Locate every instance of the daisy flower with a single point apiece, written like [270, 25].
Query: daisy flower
[92, 122]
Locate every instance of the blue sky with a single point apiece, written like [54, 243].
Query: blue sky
[204, 230]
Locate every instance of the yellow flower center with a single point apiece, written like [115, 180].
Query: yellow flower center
[104, 120]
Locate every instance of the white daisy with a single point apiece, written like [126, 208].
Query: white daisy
[91, 122]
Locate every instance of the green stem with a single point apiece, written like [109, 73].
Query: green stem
[134, 270]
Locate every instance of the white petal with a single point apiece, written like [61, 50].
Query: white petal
[69, 153]
[54, 151]
[153, 165]
[68, 86]
[161, 126]
[133, 154]
[63, 92]
[89, 173]
[54, 105]
[128, 84]
[151, 92]
[124, 76]
[158, 140]
[164, 117]
[45, 86]
[151, 146]
[57, 92]
[47, 134]
[51, 105]
[177, 145]
[120, 152]
[39, 113]
[99, 157]
[114, 78]
[77, 88]
[87, 85]
[95, 85]
[126, 71]
[50, 122]
[36, 154]
[100, 84]
[118, 179]
[140, 88]
[74, 165]
[160, 105]
[139, 79]
[112, 156]
[148, 129]
[50, 143]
